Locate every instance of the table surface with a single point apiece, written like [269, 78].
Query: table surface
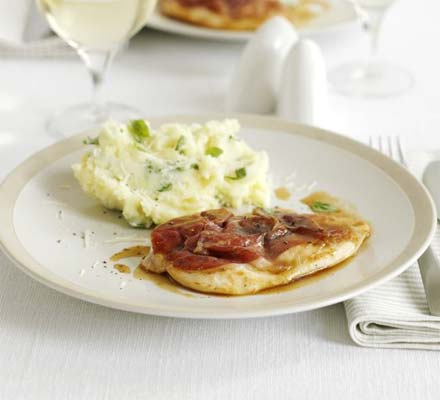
[53, 346]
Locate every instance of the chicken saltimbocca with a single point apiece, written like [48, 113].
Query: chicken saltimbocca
[219, 252]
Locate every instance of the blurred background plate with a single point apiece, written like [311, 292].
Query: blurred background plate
[341, 15]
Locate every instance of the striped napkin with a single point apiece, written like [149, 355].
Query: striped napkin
[396, 313]
[25, 32]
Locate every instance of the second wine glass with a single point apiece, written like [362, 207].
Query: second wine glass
[371, 77]
[96, 29]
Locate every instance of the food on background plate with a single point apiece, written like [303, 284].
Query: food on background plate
[154, 175]
[218, 252]
[241, 15]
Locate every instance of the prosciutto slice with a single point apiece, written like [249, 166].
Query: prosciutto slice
[217, 237]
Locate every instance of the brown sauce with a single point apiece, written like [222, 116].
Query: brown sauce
[135, 251]
[122, 268]
[307, 280]
[282, 193]
[342, 205]
[164, 281]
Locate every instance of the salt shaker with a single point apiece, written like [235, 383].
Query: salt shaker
[255, 83]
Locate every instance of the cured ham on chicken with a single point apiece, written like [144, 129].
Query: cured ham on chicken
[218, 252]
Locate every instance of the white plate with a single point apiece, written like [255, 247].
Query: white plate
[398, 207]
[340, 15]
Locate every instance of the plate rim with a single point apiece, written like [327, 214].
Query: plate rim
[16, 180]
[222, 35]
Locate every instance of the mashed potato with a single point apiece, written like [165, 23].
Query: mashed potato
[155, 175]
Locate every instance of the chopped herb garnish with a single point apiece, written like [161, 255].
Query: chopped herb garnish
[180, 143]
[321, 207]
[195, 166]
[214, 151]
[221, 200]
[146, 225]
[139, 129]
[165, 187]
[139, 226]
[90, 140]
[239, 174]
[152, 168]
[140, 147]
[180, 169]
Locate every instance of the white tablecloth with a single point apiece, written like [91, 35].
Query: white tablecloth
[55, 347]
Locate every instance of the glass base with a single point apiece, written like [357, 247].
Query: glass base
[82, 117]
[364, 79]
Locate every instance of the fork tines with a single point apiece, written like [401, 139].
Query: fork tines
[389, 145]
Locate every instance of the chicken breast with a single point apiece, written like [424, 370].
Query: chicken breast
[217, 252]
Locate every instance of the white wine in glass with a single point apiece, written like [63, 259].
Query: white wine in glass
[96, 29]
[370, 77]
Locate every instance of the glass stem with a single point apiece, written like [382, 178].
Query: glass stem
[371, 23]
[97, 63]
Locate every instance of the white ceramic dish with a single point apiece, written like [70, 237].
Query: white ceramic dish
[398, 207]
[341, 15]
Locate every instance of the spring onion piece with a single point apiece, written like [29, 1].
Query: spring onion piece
[321, 207]
[239, 174]
[165, 187]
[214, 151]
[139, 129]
[90, 140]
[180, 143]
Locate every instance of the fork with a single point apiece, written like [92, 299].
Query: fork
[428, 263]
[390, 146]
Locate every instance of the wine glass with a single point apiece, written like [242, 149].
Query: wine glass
[371, 77]
[96, 29]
